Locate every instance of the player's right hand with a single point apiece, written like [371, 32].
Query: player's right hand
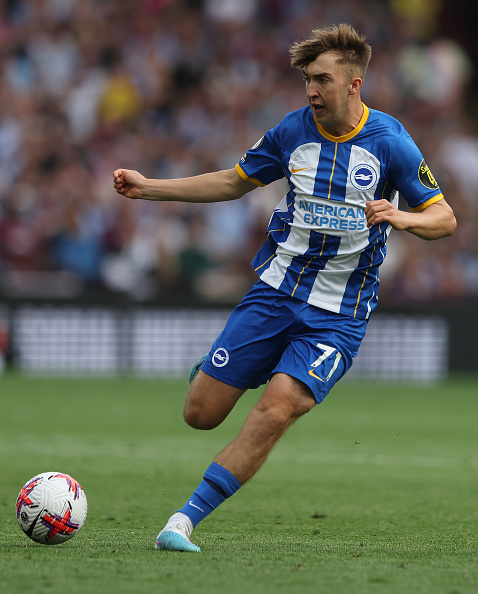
[128, 183]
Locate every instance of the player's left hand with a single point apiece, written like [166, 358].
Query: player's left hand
[382, 211]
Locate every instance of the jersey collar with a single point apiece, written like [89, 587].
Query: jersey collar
[350, 135]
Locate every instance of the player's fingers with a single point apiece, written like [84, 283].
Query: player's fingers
[119, 176]
[375, 216]
[370, 220]
[370, 212]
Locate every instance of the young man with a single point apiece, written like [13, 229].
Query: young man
[302, 323]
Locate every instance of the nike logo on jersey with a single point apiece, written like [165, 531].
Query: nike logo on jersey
[316, 376]
[197, 507]
[294, 170]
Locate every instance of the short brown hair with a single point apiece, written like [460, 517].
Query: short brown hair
[343, 39]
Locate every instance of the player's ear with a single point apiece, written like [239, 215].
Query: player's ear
[355, 85]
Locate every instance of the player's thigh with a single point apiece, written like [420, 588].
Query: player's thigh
[252, 342]
[323, 351]
[317, 365]
[209, 401]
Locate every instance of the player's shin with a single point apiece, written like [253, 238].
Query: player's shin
[217, 485]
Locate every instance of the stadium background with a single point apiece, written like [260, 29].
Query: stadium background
[93, 283]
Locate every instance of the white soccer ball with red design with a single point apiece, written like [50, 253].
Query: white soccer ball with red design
[51, 508]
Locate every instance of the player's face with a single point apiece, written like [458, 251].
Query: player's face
[331, 93]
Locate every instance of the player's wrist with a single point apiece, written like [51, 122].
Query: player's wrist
[149, 189]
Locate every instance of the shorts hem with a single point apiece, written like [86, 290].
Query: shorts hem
[318, 396]
[228, 380]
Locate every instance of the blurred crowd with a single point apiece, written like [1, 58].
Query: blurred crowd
[176, 88]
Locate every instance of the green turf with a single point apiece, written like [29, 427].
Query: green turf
[373, 492]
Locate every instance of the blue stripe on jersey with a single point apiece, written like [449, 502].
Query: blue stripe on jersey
[333, 162]
[384, 191]
[300, 285]
[361, 293]
[278, 232]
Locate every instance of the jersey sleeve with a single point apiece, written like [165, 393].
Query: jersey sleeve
[262, 163]
[411, 176]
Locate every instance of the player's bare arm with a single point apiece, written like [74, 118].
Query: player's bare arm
[210, 187]
[434, 222]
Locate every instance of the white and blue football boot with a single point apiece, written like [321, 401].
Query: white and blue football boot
[175, 535]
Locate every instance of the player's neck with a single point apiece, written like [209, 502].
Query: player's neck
[348, 124]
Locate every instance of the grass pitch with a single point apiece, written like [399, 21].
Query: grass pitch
[374, 491]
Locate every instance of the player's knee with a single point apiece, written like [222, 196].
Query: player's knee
[271, 420]
[275, 412]
[199, 418]
[208, 402]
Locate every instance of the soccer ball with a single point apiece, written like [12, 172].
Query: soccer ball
[51, 508]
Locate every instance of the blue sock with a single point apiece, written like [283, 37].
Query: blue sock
[217, 485]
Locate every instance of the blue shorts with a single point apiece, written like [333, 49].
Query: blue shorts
[270, 332]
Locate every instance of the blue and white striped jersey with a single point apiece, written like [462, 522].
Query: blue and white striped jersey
[318, 247]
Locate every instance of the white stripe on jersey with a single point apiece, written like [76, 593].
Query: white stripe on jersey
[303, 165]
[358, 157]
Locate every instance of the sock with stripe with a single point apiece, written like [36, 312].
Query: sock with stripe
[217, 485]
